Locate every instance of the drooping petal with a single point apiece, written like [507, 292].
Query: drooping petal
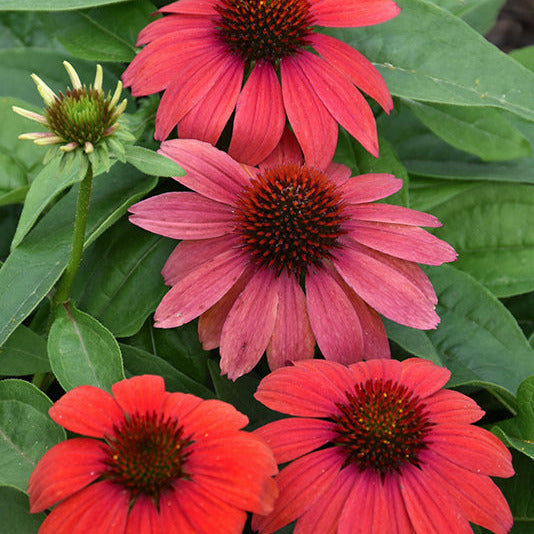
[87, 410]
[341, 98]
[249, 325]
[314, 126]
[292, 337]
[353, 13]
[293, 437]
[210, 172]
[259, 118]
[353, 66]
[143, 517]
[334, 320]
[388, 213]
[183, 215]
[199, 290]
[140, 394]
[65, 469]
[370, 187]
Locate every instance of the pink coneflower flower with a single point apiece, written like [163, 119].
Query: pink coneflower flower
[252, 238]
[378, 447]
[202, 50]
[158, 462]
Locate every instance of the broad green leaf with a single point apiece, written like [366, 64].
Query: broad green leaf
[480, 131]
[428, 54]
[151, 162]
[24, 353]
[52, 180]
[52, 5]
[15, 512]
[23, 29]
[525, 56]
[82, 351]
[23, 445]
[492, 229]
[94, 34]
[44, 253]
[120, 282]
[479, 14]
[139, 362]
[23, 391]
[478, 339]
[426, 193]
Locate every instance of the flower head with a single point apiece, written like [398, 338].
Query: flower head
[380, 447]
[84, 117]
[201, 52]
[154, 461]
[276, 257]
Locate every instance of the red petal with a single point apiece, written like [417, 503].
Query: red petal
[446, 406]
[353, 13]
[287, 151]
[191, 7]
[211, 417]
[140, 394]
[392, 214]
[143, 517]
[423, 377]
[370, 187]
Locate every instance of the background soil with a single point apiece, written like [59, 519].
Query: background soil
[515, 26]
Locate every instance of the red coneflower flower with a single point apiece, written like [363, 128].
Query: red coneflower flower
[378, 447]
[167, 463]
[203, 49]
[251, 237]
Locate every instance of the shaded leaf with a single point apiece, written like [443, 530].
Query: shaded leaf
[24, 353]
[15, 512]
[151, 162]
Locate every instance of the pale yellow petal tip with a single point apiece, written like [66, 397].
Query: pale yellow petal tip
[69, 147]
[98, 78]
[88, 147]
[46, 93]
[30, 115]
[116, 94]
[73, 75]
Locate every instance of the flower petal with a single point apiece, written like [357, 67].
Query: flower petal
[210, 172]
[353, 13]
[163, 26]
[338, 172]
[87, 410]
[249, 325]
[292, 337]
[190, 7]
[286, 151]
[388, 213]
[65, 469]
[447, 406]
[143, 517]
[423, 377]
[370, 187]
[140, 394]
[183, 215]
[259, 118]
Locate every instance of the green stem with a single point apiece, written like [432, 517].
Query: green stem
[80, 223]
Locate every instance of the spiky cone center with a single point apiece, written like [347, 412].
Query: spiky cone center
[146, 453]
[382, 426]
[267, 30]
[81, 116]
[290, 217]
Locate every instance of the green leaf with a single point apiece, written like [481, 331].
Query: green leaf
[525, 56]
[24, 353]
[427, 193]
[20, 390]
[45, 252]
[23, 445]
[151, 162]
[94, 34]
[52, 5]
[480, 131]
[15, 512]
[492, 229]
[139, 362]
[428, 54]
[478, 339]
[52, 180]
[82, 351]
[120, 280]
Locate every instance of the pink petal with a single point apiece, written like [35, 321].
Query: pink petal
[309, 388]
[143, 517]
[190, 255]
[87, 410]
[314, 126]
[338, 173]
[259, 118]
[400, 522]
[447, 406]
[353, 66]
[292, 337]
[392, 214]
[210, 172]
[191, 7]
[163, 26]
[370, 187]
[183, 215]
[101, 508]
[385, 286]
[423, 377]
[197, 77]
[353, 12]
[345, 103]
[300, 484]
[249, 324]
[140, 394]
[65, 469]
[293, 437]
[334, 320]
[409, 243]
[207, 119]
[287, 151]
[199, 290]
[375, 370]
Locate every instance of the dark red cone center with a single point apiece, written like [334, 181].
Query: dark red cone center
[382, 426]
[290, 218]
[266, 29]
